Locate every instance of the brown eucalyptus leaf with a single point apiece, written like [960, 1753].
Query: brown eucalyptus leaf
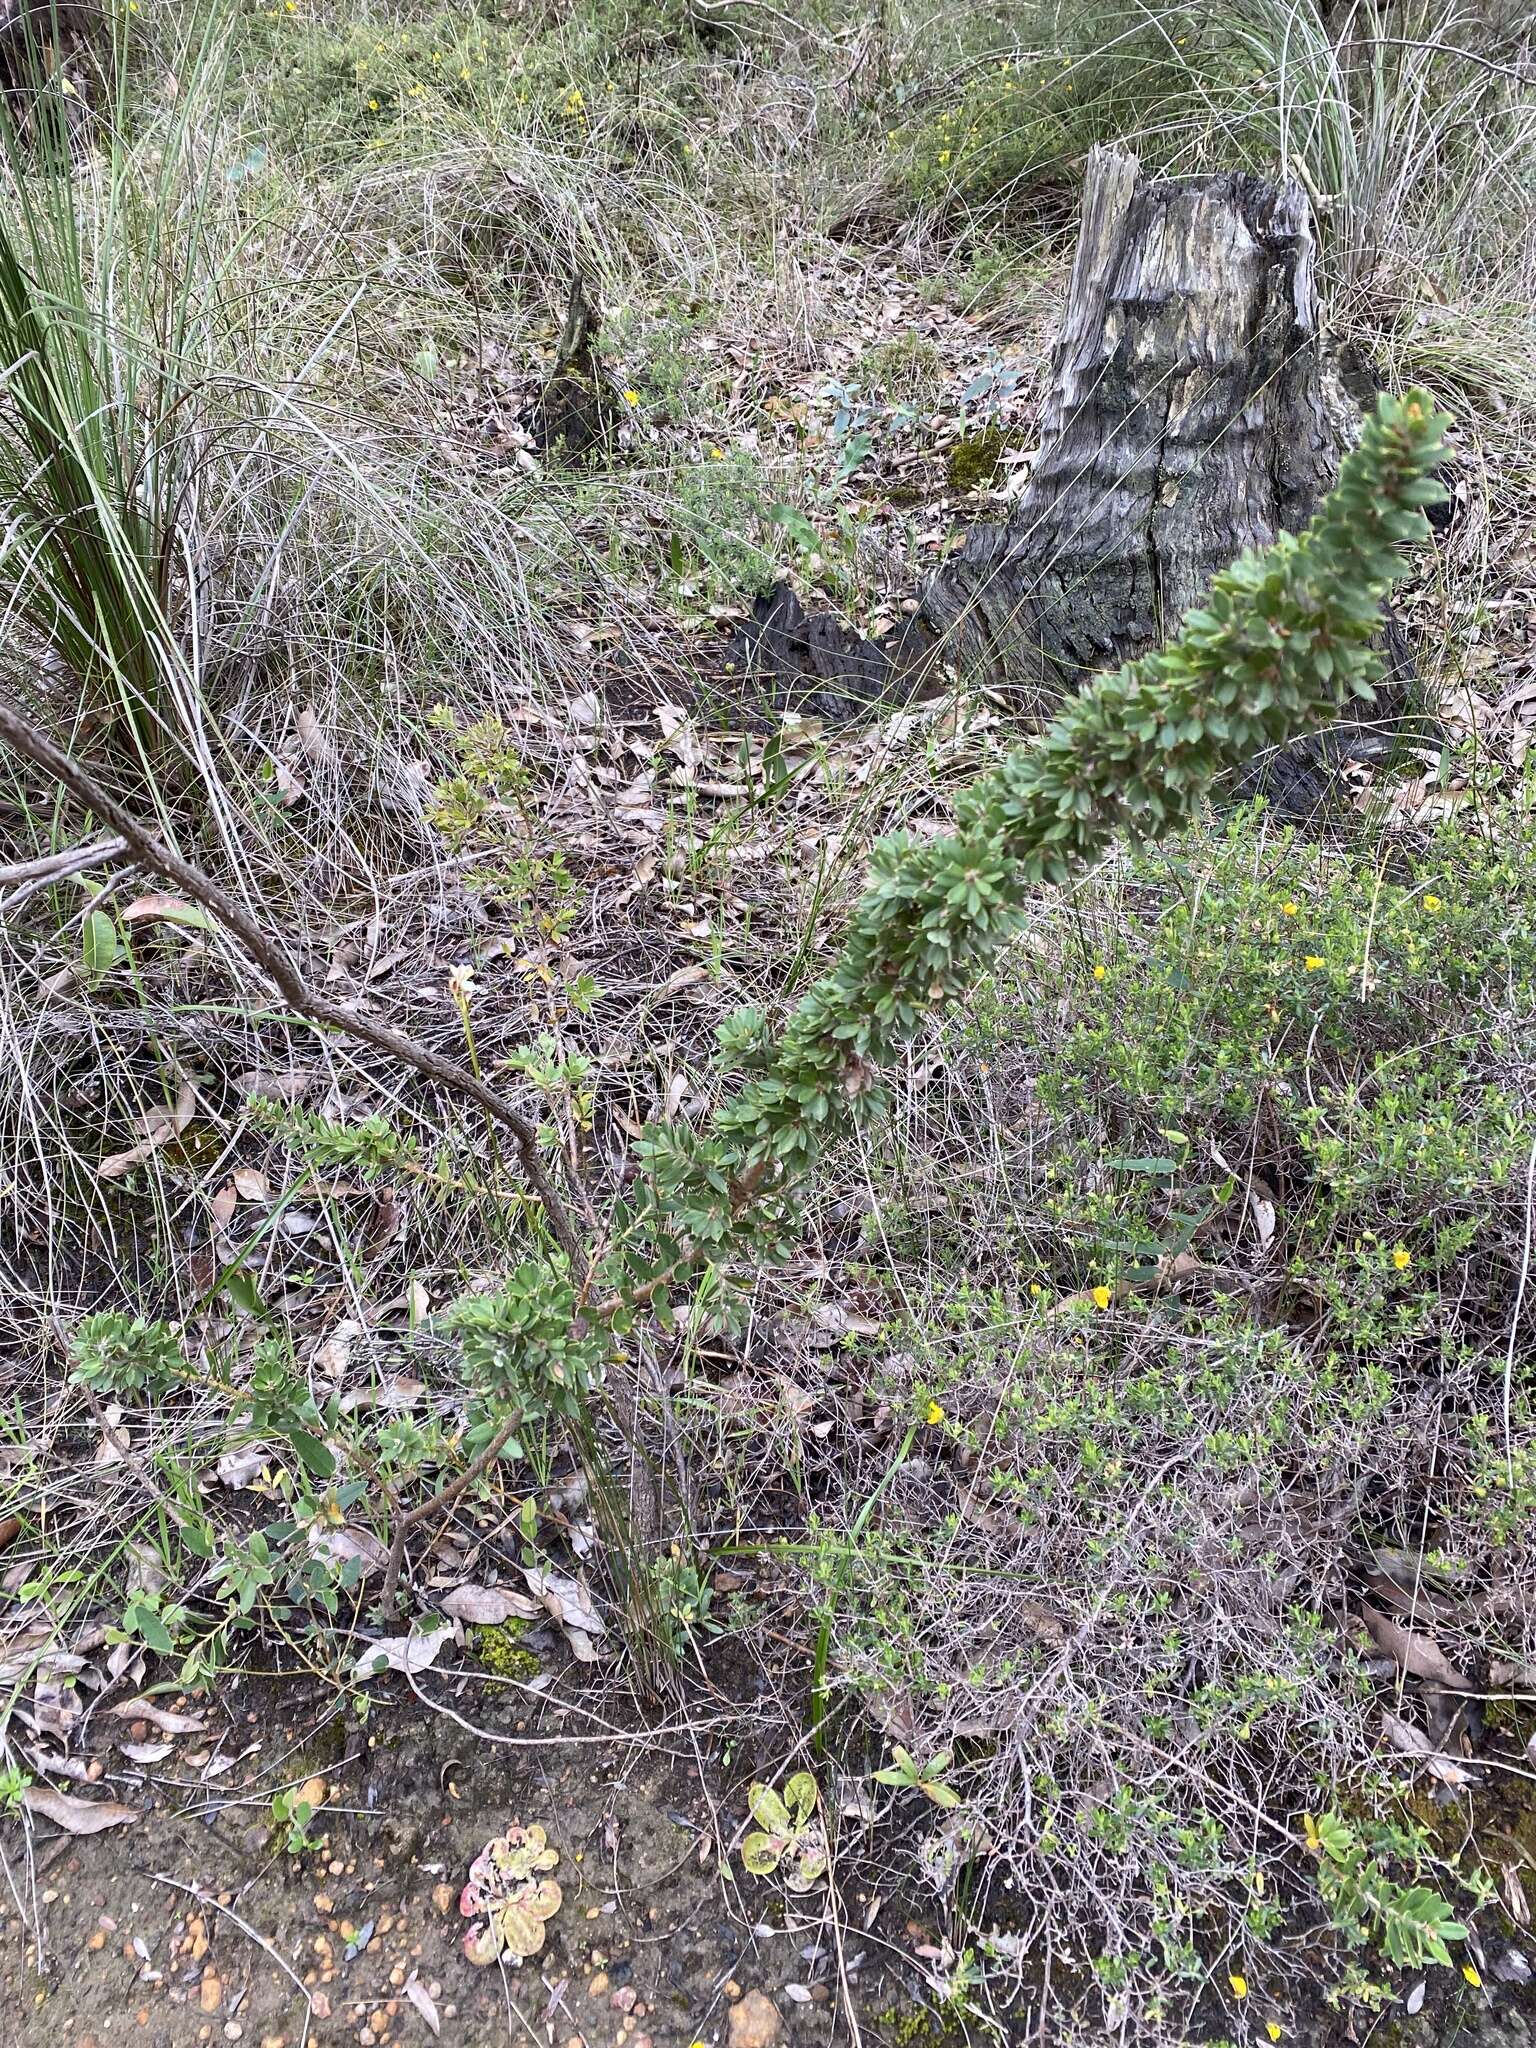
[159, 1126]
[1418, 1655]
[76, 1816]
[489, 1606]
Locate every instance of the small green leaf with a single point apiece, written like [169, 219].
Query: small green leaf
[241, 1289]
[313, 1451]
[143, 1621]
[99, 945]
[794, 523]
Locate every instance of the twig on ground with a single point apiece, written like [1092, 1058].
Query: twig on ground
[268, 954]
[206, 1898]
[25, 878]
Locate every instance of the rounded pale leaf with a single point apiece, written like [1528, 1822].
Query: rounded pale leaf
[800, 1797]
[809, 1864]
[483, 1943]
[522, 1919]
[769, 1810]
[760, 1854]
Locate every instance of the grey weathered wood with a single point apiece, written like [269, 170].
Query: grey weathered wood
[1186, 421]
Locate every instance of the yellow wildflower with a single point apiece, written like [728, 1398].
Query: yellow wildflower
[934, 1413]
[1272, 2030]
[1402, 1259]
[1288, 909]
[1099, 971]
[1239, 1985]
[1432, 903]
[1313, 961]
[631, 397]
[1102, 1296]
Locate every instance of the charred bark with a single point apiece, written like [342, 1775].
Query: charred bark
[576, 412]
[54, 59]
[1190, 416]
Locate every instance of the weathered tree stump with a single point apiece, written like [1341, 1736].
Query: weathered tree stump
[1188, 419]
[53, 56]
[1185, 422]
[576, 412]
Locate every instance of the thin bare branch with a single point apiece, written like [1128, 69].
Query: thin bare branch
[19, 733]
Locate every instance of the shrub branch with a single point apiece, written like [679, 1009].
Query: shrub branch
[19, 733]
[1283, 641]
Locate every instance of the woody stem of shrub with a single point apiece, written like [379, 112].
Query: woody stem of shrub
[25, 738]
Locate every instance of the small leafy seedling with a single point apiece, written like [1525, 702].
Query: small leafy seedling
[908, 1775]
[788, 1837]
[292, 1813]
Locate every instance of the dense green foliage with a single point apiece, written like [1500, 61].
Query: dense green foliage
[1283, 640]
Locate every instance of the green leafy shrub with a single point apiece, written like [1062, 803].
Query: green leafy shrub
[1282, 640]
[325, 91]
[1412, 1923]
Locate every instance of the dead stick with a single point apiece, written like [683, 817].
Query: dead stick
[269, 955]
[49, 866]
[482, 1462]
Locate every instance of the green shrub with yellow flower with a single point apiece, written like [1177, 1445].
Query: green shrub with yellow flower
[324, 88]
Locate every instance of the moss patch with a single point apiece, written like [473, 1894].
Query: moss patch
[975, 459]
[915, 2026]
[500, 1650]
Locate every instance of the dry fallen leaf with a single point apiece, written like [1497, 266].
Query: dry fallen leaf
[489, 1606]
[163, 1718]
[243, 1467]
[1418, 1655]
[350, 1544]
[421, 1998]
[335, 1354]
[168, 910]
[569, 1602]
[1415, 1743]
[683, 977]
[160, 1126]
[76, 1816]
[417, 1651]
